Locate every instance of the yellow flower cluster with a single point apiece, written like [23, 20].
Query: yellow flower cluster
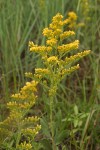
[66, 34]
[30, 119]
[69, 71]
[72, 18]
[48, 33]
[68, 47]
[52, 59]
[19, 107]
[77, 56]
[57, 22]
[55, 35]
[27, 91]
[40, 49]
[52, 42]
[31, 132]
[42, 71]
[54, 30]
[24, 146]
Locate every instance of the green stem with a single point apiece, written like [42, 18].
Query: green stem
[51, 122]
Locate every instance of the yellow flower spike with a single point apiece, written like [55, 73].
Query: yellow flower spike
[68, 71]
[26, 105]
[30, 86]
[53, 59]
[27, 93]
[30, 120]
[48, 32]
[77, 56]
[37, 76]
[12, 104]
[42, 71]
[56, 25]
[31, 132]
[57, 22]
[15, 95]
[66, 34]
[31, 44]
[71, 21]
[68, 47]
[24, 146]
[52, 42]
[40, 49]
[72, 16]
[66, 21]
[57, 33]
[57, 17]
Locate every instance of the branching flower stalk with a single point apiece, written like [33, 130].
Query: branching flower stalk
[18, 125]
[56, 62]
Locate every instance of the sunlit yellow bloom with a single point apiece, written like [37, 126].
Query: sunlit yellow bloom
[31, 119]
[77, 56]
[66, 34]
[66, 21]
[72, 16]
[24, 146]
[42, 71]
[57, 22]
[57, 32]
[27, 92]
[30, 86]
[25, 105]
[57, 17]
[56, 25]
[12, 104]
[52, 59]
[37, 76]
[31, 44]
[32, 132]
[40, 49]
[15, 95]
[68, 47]
[51, 42]
[68, 71]
[48, 32]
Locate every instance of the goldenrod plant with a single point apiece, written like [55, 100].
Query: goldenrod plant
[56, 63]
[20, 129]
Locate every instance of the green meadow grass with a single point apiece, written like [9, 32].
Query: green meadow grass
[21, 21]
